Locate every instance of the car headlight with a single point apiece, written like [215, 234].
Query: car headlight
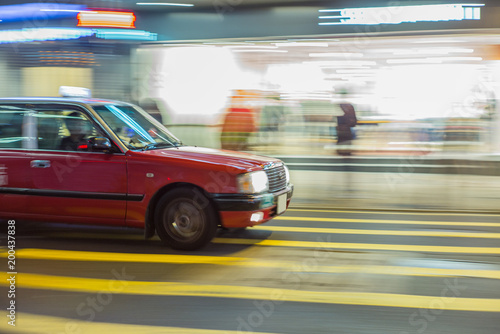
[253, 182]
[287, 174]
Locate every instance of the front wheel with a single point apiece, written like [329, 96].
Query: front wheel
[185, 219]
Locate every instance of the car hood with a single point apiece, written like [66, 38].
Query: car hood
[239, 160]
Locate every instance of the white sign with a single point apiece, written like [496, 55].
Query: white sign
[400, 14]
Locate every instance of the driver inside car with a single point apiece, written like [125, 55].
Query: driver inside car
[78, 129]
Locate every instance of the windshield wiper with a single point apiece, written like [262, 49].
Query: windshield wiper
[157, 145]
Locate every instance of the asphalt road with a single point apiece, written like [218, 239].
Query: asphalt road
[308, 271]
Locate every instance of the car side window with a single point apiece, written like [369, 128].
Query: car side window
[11, 128]
[64, 130]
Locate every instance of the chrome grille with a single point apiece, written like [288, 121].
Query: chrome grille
[277, 177]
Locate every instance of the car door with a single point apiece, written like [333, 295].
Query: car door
[15, 128]
[71, 183]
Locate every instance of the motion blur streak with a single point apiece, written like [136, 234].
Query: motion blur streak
[92, 285]
[379, 232]
[40, 254]
[334, 245]
[32, 324]
[388, 221]
[47, 254]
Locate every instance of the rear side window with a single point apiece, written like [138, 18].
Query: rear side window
[11, 128]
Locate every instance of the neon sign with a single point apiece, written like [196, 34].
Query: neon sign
[138, 35]
[52, 34]
[106, 19]
[43, 34]
[38, 11]
[400, 14]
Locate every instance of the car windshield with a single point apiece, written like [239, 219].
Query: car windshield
[134, 129]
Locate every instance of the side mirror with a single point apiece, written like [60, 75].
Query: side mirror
[100, 144]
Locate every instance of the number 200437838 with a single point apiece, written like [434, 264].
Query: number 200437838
[11, 245]
[11, 263]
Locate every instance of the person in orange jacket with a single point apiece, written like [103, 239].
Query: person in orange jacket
[239, 123]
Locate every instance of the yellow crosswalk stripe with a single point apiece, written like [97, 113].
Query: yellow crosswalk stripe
[386, 221]
[27, 323]
[448, 234]
[399, 213]
[402, 271]
[92, 285]
[65, 255]
[52, 254]
[359, 246]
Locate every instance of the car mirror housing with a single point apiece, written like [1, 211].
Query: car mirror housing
[100, 144]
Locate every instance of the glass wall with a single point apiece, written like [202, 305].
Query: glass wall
[424, 94]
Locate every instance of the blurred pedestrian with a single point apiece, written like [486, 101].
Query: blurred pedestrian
[271, 119]
[345, 123]
[239, 122]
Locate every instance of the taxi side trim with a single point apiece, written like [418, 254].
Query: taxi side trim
[72, 194]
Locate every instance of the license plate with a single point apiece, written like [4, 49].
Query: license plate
[281, 206]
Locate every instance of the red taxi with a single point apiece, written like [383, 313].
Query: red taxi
[91, 161]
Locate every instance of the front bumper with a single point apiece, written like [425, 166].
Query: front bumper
[236, 210]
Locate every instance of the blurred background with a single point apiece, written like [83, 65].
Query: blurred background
[386, 112]
[269, 77]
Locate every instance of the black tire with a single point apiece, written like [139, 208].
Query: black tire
[185, 219]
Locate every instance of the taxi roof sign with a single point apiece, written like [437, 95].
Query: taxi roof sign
[69, 91]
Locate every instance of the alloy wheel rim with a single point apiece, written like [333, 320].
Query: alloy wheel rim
[184, 220]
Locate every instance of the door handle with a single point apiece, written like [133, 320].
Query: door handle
[40, 163]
